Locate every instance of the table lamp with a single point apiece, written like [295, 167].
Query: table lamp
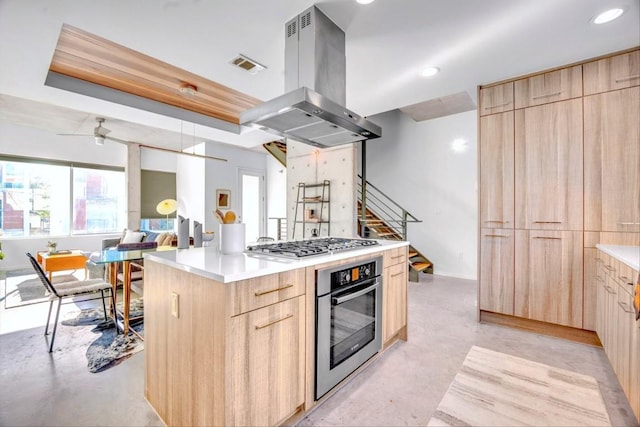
[167, 207]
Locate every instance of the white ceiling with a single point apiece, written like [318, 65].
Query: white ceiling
[388, 42]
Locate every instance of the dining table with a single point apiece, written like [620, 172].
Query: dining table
[113, 259]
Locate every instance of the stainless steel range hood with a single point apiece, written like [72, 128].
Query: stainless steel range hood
[315, 73]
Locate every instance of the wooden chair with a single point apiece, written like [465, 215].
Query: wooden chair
[67, 290]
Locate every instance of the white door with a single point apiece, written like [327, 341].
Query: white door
[252, 205]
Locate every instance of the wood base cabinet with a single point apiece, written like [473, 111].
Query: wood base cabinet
[394, 295]
[206, 365]
[266, 365]
[616, 325]
[548, 276]
[497, 271]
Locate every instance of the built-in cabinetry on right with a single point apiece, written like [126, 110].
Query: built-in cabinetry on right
[559, 172]
[616, 324]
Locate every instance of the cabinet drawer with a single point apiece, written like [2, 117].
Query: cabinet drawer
[496, 99]
[625, 278]
[395, 256]
[613, 73]
[247, 295]
[549, 87]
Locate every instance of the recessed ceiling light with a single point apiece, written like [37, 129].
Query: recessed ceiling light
[365, 1]
[429, 71]
[608, 16]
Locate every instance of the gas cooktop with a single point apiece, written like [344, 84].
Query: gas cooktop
[305, 248]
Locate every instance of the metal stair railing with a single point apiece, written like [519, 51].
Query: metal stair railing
[386, 209]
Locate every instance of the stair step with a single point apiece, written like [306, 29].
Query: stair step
[412, 254]
[386, 234]
[420, 266]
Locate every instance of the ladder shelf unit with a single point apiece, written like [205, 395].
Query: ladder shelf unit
[313, 208]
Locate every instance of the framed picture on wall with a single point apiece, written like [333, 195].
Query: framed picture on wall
[222, 199]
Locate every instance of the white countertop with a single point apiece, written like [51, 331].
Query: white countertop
[629, 255]
[209, 262]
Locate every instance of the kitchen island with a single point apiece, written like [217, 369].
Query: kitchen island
[230, 339]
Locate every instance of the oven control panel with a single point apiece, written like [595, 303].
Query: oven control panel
[353, 275]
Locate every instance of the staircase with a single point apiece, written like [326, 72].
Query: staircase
[385, 219]
[278, 150]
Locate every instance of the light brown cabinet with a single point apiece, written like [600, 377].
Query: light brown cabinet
[548, 166]
[616, 325]
[612, 161]
[634, 371]
[497, 171]
[208, 364]
[617, 72]
[497, 270]
[266, 364]
[394, 295]
[548, 276]
[553, 86]
[496, 99]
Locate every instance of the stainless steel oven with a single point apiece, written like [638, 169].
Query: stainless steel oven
[348, 320]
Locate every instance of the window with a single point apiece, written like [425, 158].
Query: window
[42, 199]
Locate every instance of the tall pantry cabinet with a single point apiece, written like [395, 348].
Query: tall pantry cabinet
[559, 171]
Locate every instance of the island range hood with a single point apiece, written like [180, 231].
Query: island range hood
[315, 73]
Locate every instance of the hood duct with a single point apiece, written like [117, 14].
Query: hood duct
[315, 73]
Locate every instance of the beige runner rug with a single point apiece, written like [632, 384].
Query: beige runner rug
[496, 389]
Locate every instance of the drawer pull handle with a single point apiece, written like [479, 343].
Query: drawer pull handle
[547, 238]
[498, 222]
[598, 259]
[599, 279]
[260, 293]
[266, 325]
[609, 268]
[610, 290]
[397, 274]
[496, 235]
[626, 79]
[547, 95]
[625, 307]
[497, 106]
[547, 222]
[397, 256]
[629, 223]
[623, 279]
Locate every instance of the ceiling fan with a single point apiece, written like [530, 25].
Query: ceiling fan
[99, 132]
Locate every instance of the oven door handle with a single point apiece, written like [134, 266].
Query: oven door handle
[349, 297]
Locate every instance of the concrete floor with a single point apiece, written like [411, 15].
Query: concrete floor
[403, 387]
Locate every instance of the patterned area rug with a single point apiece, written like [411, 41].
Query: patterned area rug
[496, 389]
[110, 349]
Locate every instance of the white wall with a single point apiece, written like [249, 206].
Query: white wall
[224, 175]
[414, 164]
[158, 160]
[276, 194]
[24, 141]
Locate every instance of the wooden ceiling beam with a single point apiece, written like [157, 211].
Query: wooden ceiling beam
[87, 57]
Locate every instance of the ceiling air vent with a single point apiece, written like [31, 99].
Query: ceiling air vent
[247, 64]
